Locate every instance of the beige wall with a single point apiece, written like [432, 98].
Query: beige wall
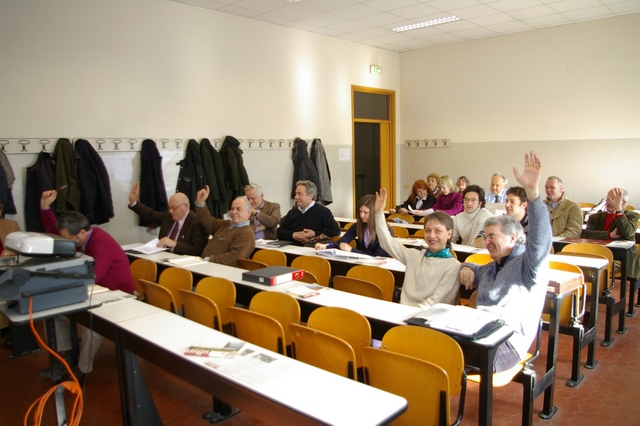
[571, 93]
[160, 69]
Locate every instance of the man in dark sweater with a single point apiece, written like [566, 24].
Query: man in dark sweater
[308, 222]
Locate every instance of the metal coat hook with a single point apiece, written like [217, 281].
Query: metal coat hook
[290, 143]
[408, 144]
[133, 143]
[216, 142]
[4, 142]
[100, 142]
[24, 143]
[417, 143]
[271, 142]
[426, 143]
[178, 142]
[280, 142]
[117, 142]
[251, 141]
[44, 143]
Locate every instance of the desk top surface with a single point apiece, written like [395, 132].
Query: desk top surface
[266, 373]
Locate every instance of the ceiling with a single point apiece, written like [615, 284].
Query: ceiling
[370, 21]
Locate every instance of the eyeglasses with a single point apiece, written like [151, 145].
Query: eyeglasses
[174, 208]
[470, 200]
[490, 237]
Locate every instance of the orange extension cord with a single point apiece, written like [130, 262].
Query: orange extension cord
[71, 386]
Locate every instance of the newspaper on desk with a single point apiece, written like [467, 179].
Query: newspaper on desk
[251, 366]
[458, 320]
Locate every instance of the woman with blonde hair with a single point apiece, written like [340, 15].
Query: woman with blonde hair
[363, 232]
[449, 201]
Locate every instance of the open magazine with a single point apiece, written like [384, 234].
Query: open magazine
[149, 248]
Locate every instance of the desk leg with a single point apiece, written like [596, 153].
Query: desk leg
[548, 381]
[486, 386]
[622, 329]
[137, 405]
[632, 293]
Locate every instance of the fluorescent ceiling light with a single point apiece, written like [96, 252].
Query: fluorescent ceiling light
[438, 21]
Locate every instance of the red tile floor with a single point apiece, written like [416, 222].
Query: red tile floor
[607, 395]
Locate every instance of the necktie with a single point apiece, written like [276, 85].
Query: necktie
[174, 231]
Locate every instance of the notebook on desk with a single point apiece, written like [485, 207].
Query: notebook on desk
[458, 320]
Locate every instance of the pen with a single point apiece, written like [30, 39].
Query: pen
[61, 188]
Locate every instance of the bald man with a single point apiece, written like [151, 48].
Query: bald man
[180, 229]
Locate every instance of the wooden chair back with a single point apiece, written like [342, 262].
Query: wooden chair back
[200, 309]
[318, 266]
[400, 232]
[280, 306]
[143, 269]
[257, 328]
[479, 258]
[222, 292]
[419, 233]
[346, 324]
[573, 306]
[429, 345]
[159, 296]
[381, 277]
[176, 278]
[601, 250]
[251, 264]
[423, 384]
[352, 243]
[322, 350]
[586, 205]
[309, 278]
[270, 257]
[406, 217]
[357, 286]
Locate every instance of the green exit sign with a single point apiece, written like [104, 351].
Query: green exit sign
[374, 69]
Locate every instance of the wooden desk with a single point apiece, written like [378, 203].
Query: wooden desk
[275, 397]
[619, 253]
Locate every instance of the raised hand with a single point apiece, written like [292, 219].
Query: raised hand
[47, 198]
[135, 192]
[202, 195]
[530, 177]
[381, 200]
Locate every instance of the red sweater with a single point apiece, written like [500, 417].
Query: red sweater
[111, 263]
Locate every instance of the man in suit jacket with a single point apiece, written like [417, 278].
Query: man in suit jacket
[616, 223]
[189, 237]
[265, 216]
[565, 214]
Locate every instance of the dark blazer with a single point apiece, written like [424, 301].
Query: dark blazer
[69, 198]
[270, 217]
[40, 177]
[626, 225]
[192, 237]
[214, 175]
[191, 177]
[153, 192]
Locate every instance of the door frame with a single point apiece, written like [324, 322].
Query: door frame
[387, 144]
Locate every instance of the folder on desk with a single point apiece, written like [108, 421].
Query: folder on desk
[273, 275]
[458, 320]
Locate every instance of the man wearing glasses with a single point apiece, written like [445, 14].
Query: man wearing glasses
[111, 269]
[468, 225]
[180, 230]
[514, 285]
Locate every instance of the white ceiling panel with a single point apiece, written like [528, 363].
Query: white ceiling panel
[370, 22]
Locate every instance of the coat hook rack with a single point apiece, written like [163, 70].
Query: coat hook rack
[24, 143]
[133, 143]
[44, 143]
[100, 142]
[117, 142]
[4, 142]
[178, 142]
